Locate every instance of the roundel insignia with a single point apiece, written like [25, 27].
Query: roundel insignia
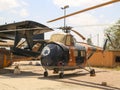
[46, 51]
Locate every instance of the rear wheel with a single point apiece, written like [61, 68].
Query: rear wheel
[61, 75]
[92, 72]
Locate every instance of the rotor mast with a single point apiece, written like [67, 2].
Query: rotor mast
[65, 28]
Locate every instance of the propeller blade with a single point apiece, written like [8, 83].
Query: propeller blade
[84, 10]
[79, 34]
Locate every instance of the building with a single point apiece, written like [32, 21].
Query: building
[109, 58]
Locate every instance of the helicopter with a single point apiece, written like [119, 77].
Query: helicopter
[63, 52]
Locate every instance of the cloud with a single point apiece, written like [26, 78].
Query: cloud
[15, 7]
[82, 19]
[24, 3]
[24, 13]
[8, 4]
[76, 3]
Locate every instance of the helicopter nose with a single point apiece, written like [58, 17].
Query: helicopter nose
[51, 54]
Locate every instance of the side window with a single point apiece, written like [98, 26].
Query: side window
[76, 53]
[82, 53]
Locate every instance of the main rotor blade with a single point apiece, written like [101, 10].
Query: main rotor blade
[79, 34]
[24, 29]
[84, 10]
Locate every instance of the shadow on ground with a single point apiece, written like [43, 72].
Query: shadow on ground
[69, 79]
[9, 73]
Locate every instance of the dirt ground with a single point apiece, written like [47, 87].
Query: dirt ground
[31, 78]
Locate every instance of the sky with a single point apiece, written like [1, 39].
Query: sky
[44, 10]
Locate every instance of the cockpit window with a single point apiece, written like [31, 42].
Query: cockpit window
[66, 39]
[69, 40]
[58, 38]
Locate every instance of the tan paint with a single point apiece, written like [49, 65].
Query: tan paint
[72, 61]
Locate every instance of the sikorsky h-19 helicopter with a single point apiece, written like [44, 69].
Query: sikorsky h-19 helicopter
[61, 52]
[64, 53]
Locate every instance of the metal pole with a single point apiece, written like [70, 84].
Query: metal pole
[64, 18]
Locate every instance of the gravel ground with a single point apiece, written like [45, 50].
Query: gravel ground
[31, 78]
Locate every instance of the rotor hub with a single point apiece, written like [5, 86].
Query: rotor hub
[66, 29]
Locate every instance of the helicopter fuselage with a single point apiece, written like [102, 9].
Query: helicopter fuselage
[68, 55]
[57, 56]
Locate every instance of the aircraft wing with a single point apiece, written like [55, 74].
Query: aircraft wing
[8, 31]
[6, 44]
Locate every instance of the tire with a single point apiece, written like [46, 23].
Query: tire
[92, 72]
[61, 75]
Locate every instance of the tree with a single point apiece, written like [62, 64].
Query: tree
[114, 34]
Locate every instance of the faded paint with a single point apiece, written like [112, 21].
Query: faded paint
[72, 61]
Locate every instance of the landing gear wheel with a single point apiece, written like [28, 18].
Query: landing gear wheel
[61, 75]
[45, 74]
[92, 72]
